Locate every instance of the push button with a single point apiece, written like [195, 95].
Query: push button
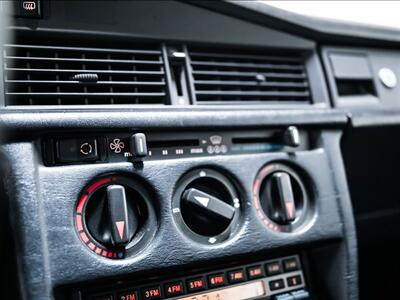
[28, 8]
[196, 284]
[273, 268]
[77, 150]
[276, 284]
[128, 295]
[151, 293]
[103, 297]
[291, 264]
[255, 272]
[235, 276]
[216, 280]
[173, 289]
[294, 280]
[300, 295]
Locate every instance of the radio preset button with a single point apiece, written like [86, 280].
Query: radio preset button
[128, 295]
[276, 284]
[151, 293]
[195, 284]
[291, 264]
[255, 272]
[236, 276]
[216, 280]
[294, 280]
[273, 268]
[173, 288]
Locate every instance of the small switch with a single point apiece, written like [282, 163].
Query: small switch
[103, 297]
[28, 9]
[294, 280]
[276, 284]
[291, 137]
[273, 268]
[216, 280]
[236, 276]
[151, 293]
[76, 150]
[138, 145]
[196, 284]
[173, 289]
[128, 295]
[302, 294]
[255, 272]
[291, 264]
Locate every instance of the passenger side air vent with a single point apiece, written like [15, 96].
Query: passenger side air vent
[223, 77]
[55, 75]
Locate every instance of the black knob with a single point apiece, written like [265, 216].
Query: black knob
[114, 216]
[281, 198]
[123, 222]
[206, 206]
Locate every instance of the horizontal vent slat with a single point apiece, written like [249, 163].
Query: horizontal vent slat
[248, 65]
[248, 74]
[83, 60]
[86, 49]
[248, 77]
[276, 84]
[47, 75]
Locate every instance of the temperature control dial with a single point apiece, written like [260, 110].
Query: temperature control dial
[281, 199]
[206, 206]
[114, 216]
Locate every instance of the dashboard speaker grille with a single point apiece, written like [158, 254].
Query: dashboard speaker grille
[54, 75]
[222, 77]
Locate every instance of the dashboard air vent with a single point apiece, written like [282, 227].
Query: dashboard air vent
[222, 77]
[54, 75]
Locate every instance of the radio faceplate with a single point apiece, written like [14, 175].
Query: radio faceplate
[280, 278]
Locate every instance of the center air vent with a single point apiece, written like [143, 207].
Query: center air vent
[55, 75]
[223, 77]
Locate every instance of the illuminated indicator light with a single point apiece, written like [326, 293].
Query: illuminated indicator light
[120, 255]
[128, 296]
[84, 237]
[217, 280]
[152, 293]
[81, 203]
[260, 215]
[79, 225]
[236, 276]
[174, 289]
[195, 284]
[95, 185]
[98, 251]
[104, 253]
[110, 254]
[256, 204]
[255, 272]
[91, 246]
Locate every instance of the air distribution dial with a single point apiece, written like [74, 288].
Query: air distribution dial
[206, 206]
[114, 216]
[281, 199]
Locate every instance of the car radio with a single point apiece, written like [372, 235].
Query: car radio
[280, 279]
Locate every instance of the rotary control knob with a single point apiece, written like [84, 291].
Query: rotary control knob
[281, 198]
[206, 206]
[114, 216]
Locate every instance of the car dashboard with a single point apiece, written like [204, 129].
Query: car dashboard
[196, 150]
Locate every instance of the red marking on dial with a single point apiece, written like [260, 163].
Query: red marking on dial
[81, 203]
[97, 184]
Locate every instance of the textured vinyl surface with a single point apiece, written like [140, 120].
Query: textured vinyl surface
[52, 254]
